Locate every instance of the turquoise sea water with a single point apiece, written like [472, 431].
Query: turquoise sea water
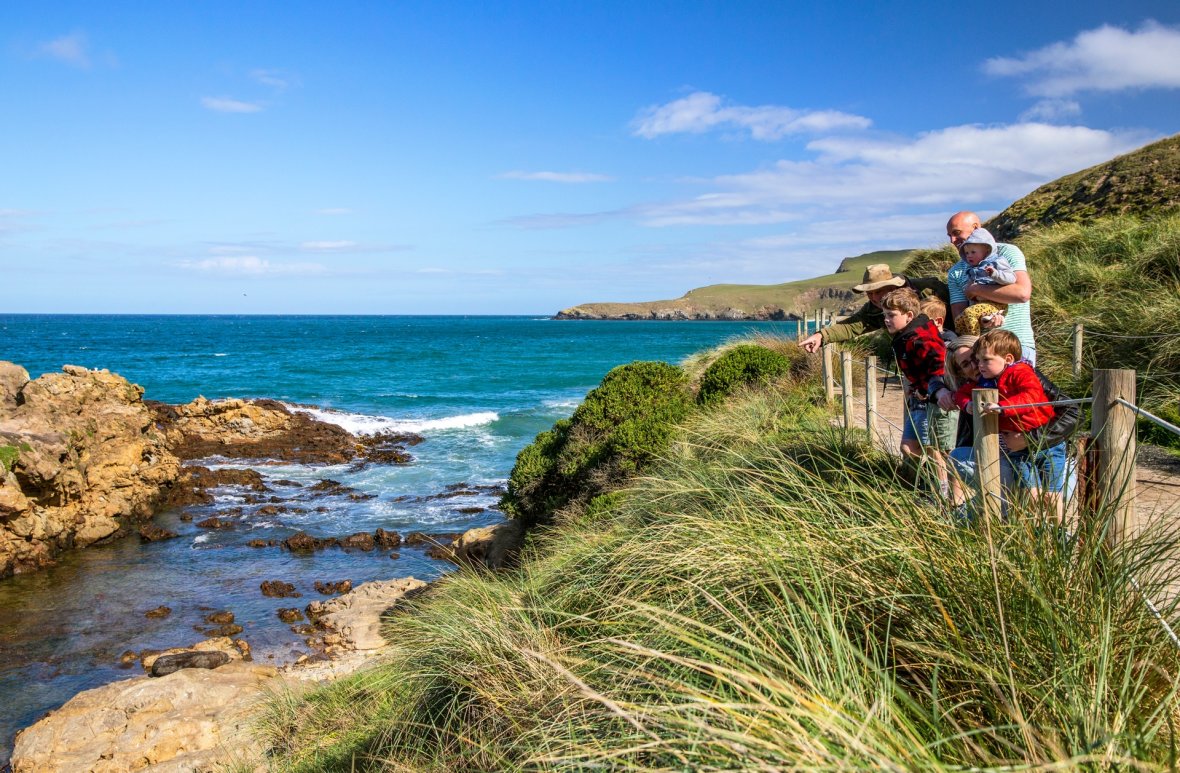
[477, 388]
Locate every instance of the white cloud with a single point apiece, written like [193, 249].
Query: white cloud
[1103, 59]
[953, 168]
[701, 111]
[342, 245]
[557, 177]
[251, 265]
[1052, 110]
[227, 105]
[275, 79]
[71, 49]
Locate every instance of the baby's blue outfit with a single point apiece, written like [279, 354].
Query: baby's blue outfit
[1002, 273]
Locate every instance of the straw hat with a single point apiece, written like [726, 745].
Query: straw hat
[878, 276]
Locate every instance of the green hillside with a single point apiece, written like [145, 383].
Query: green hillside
[732, 301]
[1144, 182]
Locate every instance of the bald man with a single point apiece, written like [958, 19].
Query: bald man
[962, 290]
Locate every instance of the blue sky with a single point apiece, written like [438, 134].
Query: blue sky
[495, 157]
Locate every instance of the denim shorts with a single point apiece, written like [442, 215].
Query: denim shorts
[914, 425]
[1049, 468]
[1044, 469]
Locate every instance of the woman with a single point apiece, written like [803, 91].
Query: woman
[961, 368]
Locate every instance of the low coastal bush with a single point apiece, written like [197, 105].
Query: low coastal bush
[740, 366]
[770, 595]
[621, 426]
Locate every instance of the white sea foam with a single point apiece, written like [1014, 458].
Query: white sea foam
[220, 354]
[201, 538]
[562, 403]
[362, 424]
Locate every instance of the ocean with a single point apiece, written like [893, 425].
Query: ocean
[478, 389]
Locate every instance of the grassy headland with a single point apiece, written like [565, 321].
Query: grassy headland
[1142, 183]
[769, 593]
[727, 301]
[719, 579]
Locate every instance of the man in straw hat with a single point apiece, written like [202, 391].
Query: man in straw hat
[878, 282]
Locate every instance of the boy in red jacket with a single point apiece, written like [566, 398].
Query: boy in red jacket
[998, 355]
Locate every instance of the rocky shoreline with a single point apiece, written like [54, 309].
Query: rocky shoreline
[84, 460]
[202, 715]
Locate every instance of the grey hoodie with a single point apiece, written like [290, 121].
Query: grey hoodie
[1000, 273]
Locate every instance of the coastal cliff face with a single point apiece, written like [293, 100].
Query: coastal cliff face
[691, 308]
[80, 462]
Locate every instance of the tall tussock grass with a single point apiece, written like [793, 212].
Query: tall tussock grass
[771, 596]
[1119, 277]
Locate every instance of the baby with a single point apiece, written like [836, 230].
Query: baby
[985, 267]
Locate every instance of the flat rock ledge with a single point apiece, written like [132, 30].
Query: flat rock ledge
[199, 719]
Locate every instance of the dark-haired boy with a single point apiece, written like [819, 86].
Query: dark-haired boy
[920, 353]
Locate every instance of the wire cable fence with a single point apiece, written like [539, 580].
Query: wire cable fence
[1149, 416]
[1124, 337]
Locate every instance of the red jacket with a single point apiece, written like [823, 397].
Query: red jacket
[1018, 384]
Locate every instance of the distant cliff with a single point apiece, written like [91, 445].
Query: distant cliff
[785, 301]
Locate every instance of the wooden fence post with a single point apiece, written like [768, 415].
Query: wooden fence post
[871, 396]
[825, 358]
[846, 387]
[799, 328]
[987, 452]
[1077, 348]
[1113, 428]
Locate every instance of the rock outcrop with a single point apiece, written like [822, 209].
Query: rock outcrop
[83, 458]
[192, 719]
[268, 429]
[489, 547]
[353, 621]
[81, 461]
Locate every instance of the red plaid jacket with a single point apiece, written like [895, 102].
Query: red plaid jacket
[920, 353]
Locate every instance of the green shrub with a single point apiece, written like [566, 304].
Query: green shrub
[1150, 432]
[741, 365]
[621, 426]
